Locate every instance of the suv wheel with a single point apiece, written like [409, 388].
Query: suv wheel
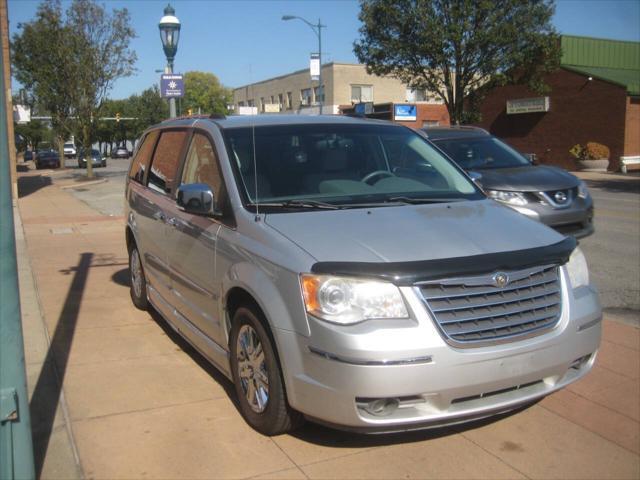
[137, 280]
[257, 377]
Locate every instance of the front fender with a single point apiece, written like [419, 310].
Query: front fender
[276, 291]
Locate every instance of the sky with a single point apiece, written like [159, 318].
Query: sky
[246, 41]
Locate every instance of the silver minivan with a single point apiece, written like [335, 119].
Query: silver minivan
[345, 271]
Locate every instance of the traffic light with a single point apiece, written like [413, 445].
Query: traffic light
[118, 117]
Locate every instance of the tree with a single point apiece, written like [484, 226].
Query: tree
[41, 63]
[100, 47]
[205, 92]
[149, 108]
[32, 133]
[453, 47]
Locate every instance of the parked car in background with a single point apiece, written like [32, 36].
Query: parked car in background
[548, 194]
[28, 156]
[96, 157]
[346, 270]
[120, 152]
[70, 150]
[47, 159]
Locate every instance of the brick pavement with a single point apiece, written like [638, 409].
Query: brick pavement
[116, 394]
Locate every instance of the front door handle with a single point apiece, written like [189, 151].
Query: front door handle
[172, 221]
[159, 216]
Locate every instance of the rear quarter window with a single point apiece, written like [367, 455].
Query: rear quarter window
[140, 163]
[166, 160]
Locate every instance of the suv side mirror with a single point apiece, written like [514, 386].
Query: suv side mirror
[196, 198]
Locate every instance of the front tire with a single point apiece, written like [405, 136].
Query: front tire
[138, 283]
[257, 377]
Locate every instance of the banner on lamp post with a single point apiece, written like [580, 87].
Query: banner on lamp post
[314, 66]
[171, 85]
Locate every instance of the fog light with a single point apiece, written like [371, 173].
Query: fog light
[382, 407]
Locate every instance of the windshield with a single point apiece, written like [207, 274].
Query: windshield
[336, 164]
[481, 152]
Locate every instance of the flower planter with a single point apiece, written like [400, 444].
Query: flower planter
[599, 165]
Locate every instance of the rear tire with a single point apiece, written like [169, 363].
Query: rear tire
[137, 280]
[257, 377]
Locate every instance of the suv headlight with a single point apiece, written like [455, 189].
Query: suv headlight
[511, 198]
[583, 191]
[578, 269]
[347, 300]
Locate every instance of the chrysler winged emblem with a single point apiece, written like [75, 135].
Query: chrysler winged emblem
[500, 279]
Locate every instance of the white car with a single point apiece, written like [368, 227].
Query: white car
[69, 150]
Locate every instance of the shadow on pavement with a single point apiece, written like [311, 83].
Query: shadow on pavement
[196, 356]
[46, 395]
[29, 184]
[121, 277]
[622, 185]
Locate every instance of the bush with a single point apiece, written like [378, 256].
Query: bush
[596, 151]
[590, 151]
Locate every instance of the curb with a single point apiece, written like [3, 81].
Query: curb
[79, 185]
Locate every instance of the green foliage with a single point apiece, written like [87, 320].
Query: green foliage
[31, 134]
[41, 63]
[205, 92]
[453, 47]
[69, 62]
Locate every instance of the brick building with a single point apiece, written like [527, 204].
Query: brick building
[594, 96]
[345, 85]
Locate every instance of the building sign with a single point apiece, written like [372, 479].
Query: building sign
[528, 105]
[171, 85]
[363, 108]
[314, 66]
[244, 110]
[271, 108]
[404, 113]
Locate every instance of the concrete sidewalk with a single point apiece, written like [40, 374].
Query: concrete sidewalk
[115, 394]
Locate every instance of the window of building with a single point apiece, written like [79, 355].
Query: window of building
[317, 94]
[430, 123]
[141, 161]
[306, 96]
[165, 161]
[262, 104]
[281, 101]
[361, 93]
[251, 103]
[289, 101]
[413, 95]
[241, 103]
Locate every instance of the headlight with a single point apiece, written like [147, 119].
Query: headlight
[577, 269]
[350, 300]
[583, 192]
[512, 198]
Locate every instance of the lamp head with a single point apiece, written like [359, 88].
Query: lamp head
[169, 32]
[288, 17]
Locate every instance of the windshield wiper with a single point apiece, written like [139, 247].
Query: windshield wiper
[310, 204]
[418, 200]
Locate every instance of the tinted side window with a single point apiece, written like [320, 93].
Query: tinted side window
[201, 166]
[140, 162]
[166, 160]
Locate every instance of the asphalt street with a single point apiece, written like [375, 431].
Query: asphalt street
[613, 251]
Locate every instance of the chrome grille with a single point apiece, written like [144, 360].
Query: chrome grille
[476, 310]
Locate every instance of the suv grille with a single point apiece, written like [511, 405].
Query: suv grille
[476, 310]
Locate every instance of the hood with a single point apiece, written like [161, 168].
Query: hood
[411, 232]
[528, 178]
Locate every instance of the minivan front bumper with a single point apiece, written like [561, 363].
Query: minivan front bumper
[384, 377]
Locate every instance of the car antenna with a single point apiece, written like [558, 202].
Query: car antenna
[253, 145]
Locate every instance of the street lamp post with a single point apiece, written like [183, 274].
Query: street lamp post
[317, 29]
[170, 34]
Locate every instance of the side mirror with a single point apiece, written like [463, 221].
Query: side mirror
[476, 177]
[196, 198]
